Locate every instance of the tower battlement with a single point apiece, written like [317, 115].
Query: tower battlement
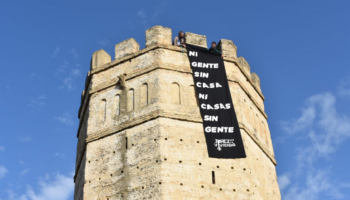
[141, 135]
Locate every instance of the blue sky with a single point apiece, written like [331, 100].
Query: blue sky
[299, 49]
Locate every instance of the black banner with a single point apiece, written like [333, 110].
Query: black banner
[220, 123]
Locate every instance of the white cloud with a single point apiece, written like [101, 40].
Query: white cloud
[59, 188]
[24, 172]
[320, 130]
[59, 154]
[142, 14]
[324, 127]
[75, 72]
[344, 87]
[3, 171]
[306, 119]
[143, 17]
[2, 148]
[65, 119]
[55, 52]
[63, 67]
[25, 138]
[104, 42]
[68, 83]
[69, 80]
[73, 52]
[318, 184]
[38, 101]
[283, 181]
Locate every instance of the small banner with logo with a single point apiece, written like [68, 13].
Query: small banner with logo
[220, 123]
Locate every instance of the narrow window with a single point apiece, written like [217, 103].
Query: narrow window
[117, 104]
[213, 176]
[144, 94]
[103, 109]
[126, 142]
[131, 100]
[175, 93]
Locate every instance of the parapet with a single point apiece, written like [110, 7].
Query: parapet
[255, 79]
[243, 63]
[161, 37]
[195, 39]
[227, 48]
[126, 47]
[158, 35]
[99, 58]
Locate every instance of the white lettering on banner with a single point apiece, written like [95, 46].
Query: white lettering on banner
[205, 85]
[201, 74]
[221, 129]
[203, 96]
[205, 65]
[211, 118]
[193, 53]
[215, 107]
[220, 143]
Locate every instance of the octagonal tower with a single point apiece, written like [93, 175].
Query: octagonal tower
[141, 134]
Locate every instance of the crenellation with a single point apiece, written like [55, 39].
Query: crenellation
[255, 79]
[242, 62]
[158, 35]
[195, 39]
[100, 58]
[145, 140]
[228, 48]
[126, 47]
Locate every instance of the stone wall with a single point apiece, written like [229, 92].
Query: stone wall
[141, 134]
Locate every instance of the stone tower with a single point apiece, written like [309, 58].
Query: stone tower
[141, 134]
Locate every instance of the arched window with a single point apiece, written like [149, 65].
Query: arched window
[175, 93]
[144, 94]
[117, 104]
[103, 110]
[131, 100]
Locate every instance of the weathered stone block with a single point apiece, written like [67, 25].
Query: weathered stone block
[195, 39]
[158, 35]
[99, 58]
[255, 79]
[228, 48]
[126, 47]
[243, 63]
